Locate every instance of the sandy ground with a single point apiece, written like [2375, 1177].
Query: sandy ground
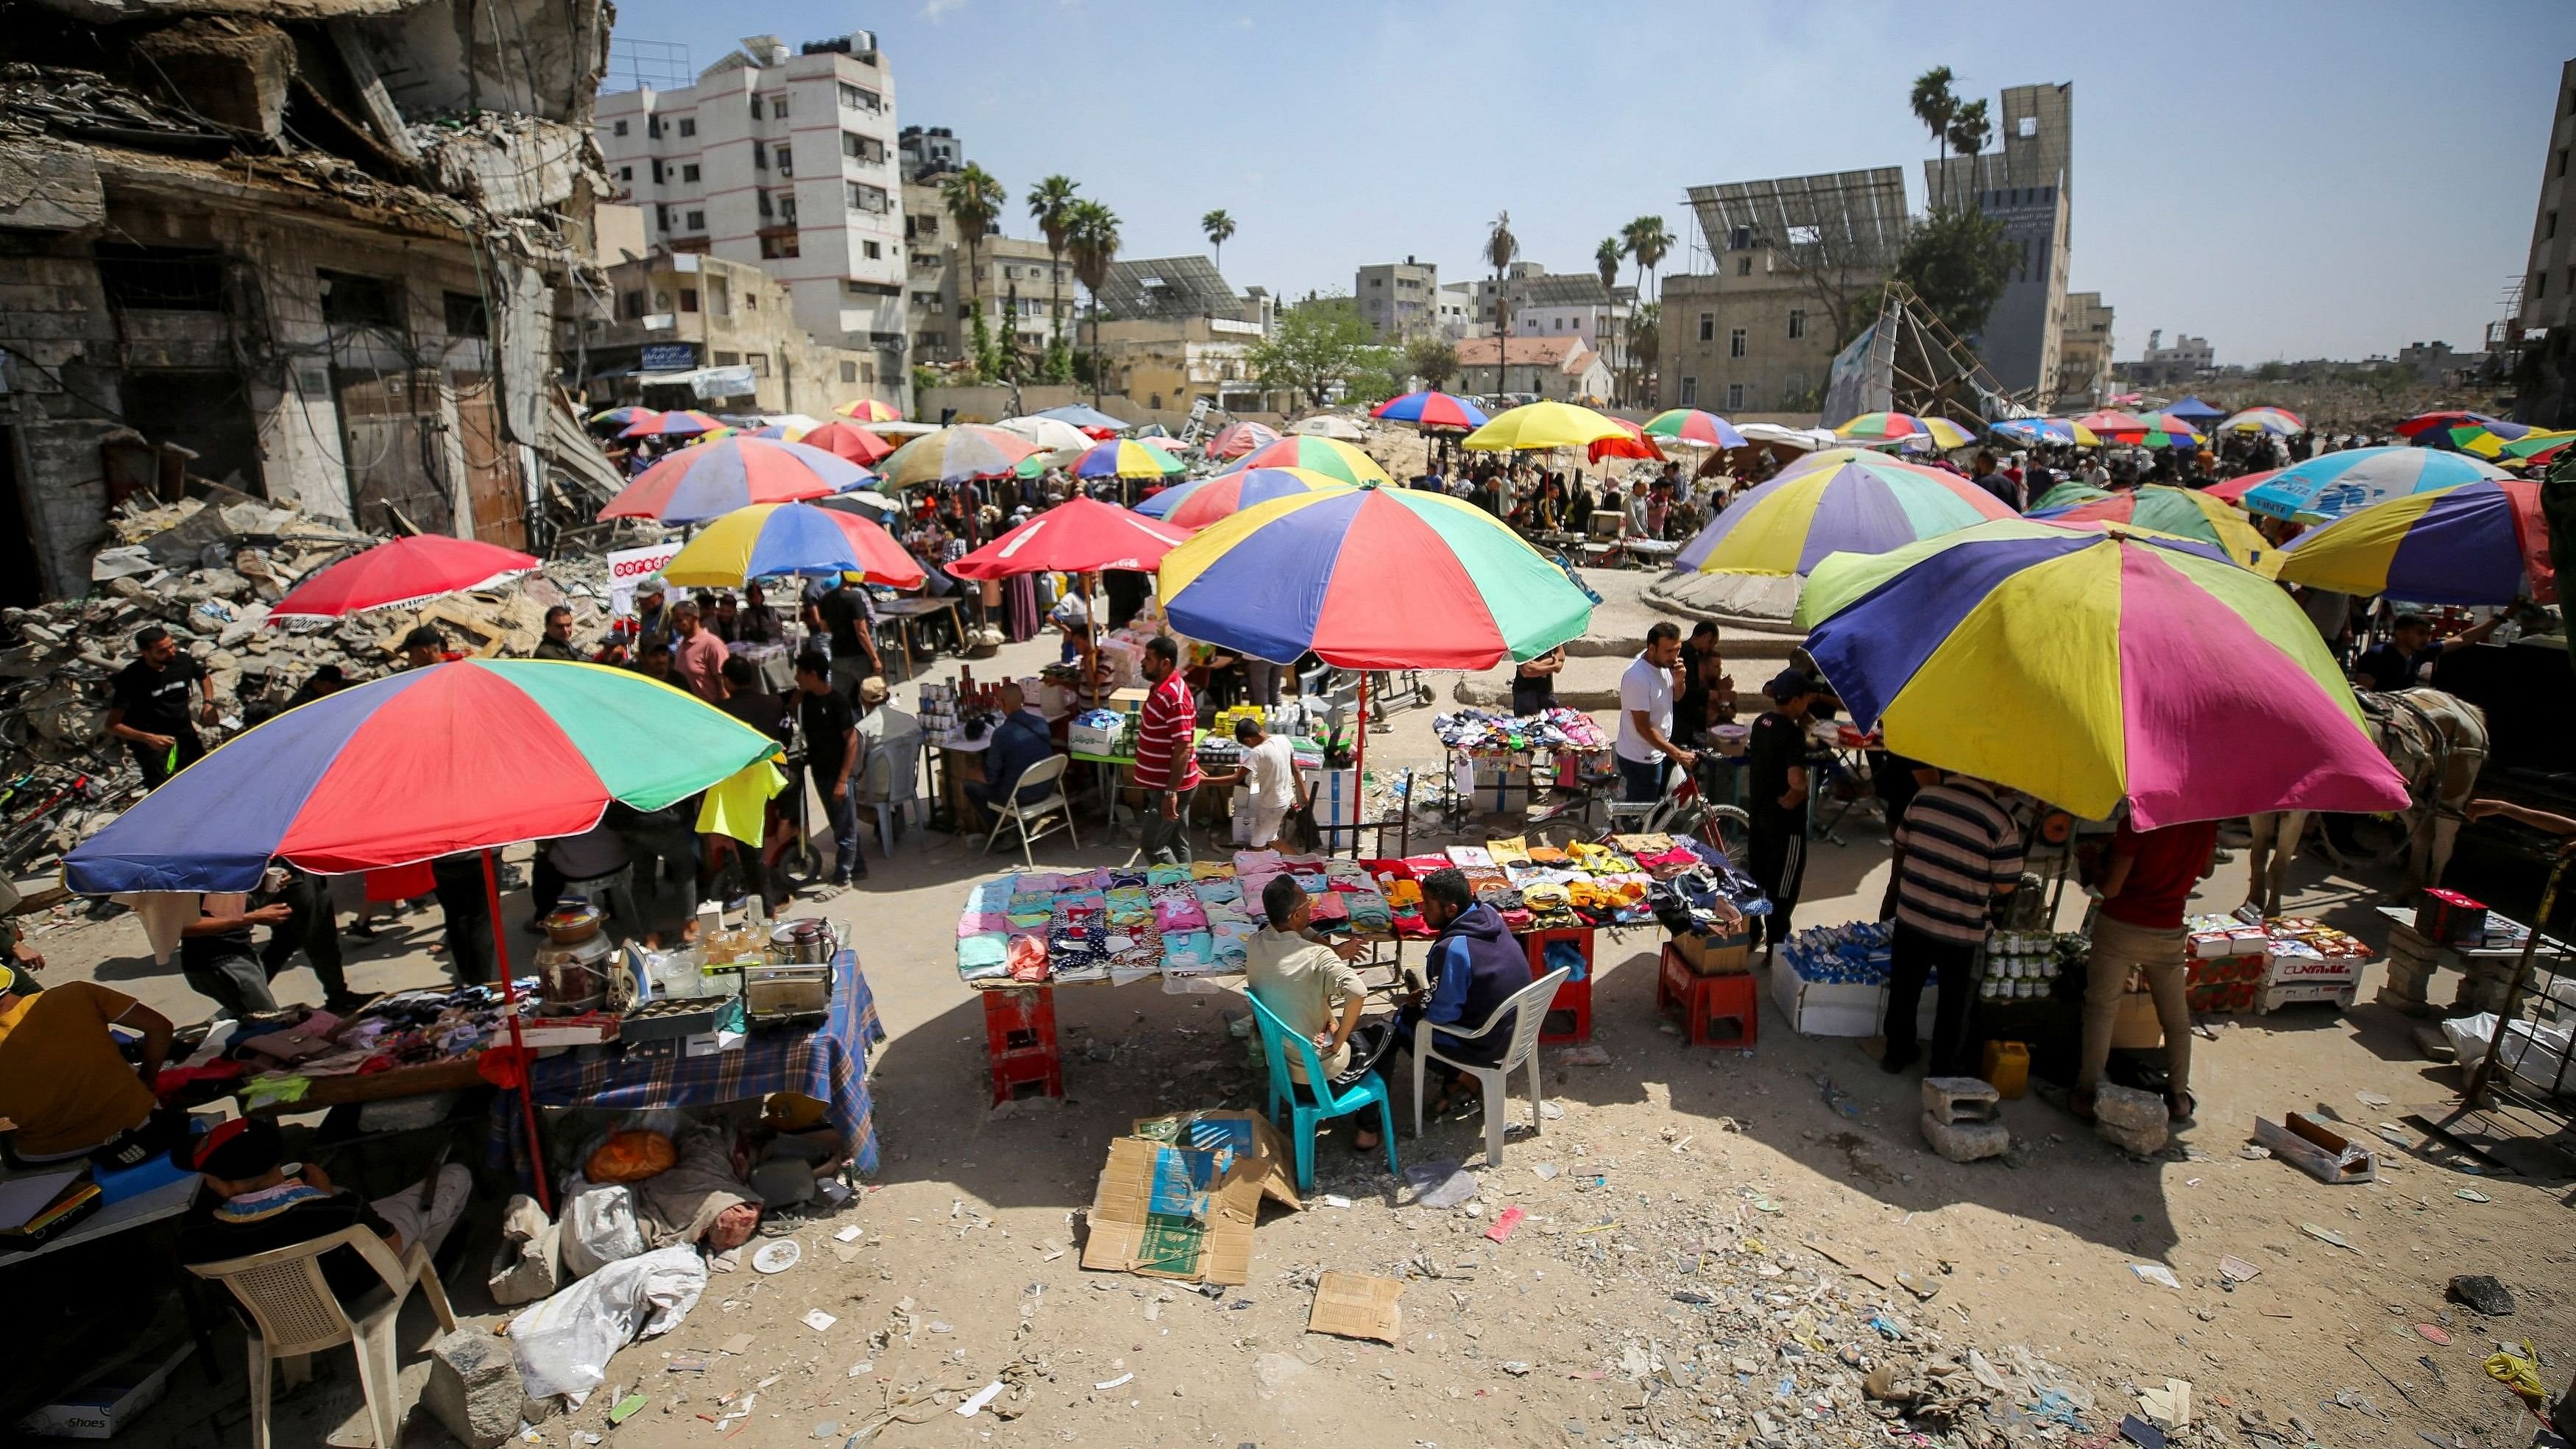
[1670, 1171]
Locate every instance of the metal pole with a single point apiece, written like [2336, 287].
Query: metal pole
[518, 1045]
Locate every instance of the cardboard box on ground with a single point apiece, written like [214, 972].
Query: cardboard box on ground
[1179, 1196]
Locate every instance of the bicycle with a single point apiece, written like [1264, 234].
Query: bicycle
[31, 835]
[1685, 809]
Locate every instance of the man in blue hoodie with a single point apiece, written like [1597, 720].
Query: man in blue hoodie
[1474, 968]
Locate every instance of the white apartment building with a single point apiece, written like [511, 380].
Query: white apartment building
[786, 160]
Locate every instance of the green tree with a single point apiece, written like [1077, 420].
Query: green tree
[1605, 261]
[1318, 344]
[1091, 239]
[1219, 228]
[1501, 249]
[1050, 203]
[1935, 106]
[974, 200]
[1433, 359]
[1645, 343]
[1648, 240]
[1957, 261]
[1970, 130]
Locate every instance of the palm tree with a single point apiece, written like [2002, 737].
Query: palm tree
[1220, 230]
[1050, 202]
[1605, 260]
[1969, 131]
[1091, 237]
[974, 200]
[1501, 247]
[1649, 241]
[1934, 106]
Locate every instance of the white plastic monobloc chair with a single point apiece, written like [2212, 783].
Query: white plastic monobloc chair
[1528, 1010]
[1048, 772]
[295, 1314]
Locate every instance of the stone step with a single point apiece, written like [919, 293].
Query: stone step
[1956, 1100]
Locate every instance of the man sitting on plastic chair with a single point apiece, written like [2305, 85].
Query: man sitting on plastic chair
[1311, 987]
[1474, 968]
[264, 1203]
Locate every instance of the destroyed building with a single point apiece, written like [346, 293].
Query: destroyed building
[313, 250]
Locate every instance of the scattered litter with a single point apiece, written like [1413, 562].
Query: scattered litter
[863, 1366]
[1502, 1229]
[2373, 1099]
[1442, 1184]
[1590, 1054]
[1119, 1382]
[2432, 1334]
[2141, 1433]
[2519, 1372]
[2317, 1149]
[2482, 1293]
[2327, 1235]
[626, 1408]
[850, 1234]
[1544, 1171]
[983, 1396]
[1336, 1200]
[1765, 1205]
[2253, 1152]
[739, 1343]
[686, 1363]
[2170, 1405]
[826, 1428]
[1355, 1305]
[2237, 1270]
[2471, 1194]
[818, 1320]
[2158, 1274]
[1552, 1110]
[778, 1255]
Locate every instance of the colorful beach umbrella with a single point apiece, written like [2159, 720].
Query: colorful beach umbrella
[2035, 431]
[1841, 500]
[1053, 434]
[1371, 578]
[2280, 422]
[955, 455]
[1432, 409]
[790, 538]
[2153, 671]
[1632, 442]
[1078, 536]
[1202, 502]
[1939, 433]
[869, 410]
[399, 574]
[623, 417]
[849, 440]
[2199, 414]
[2179, 512]
[2477, 543]
[696, 484]
[1328, 456]
[2168, 428]
[685, 423]
[2233, 490]
[2462, 431]
[1236, 439]
[2331, 485]
[2538, 445]
[2066, 495]
[1695, 428]
[1533, 427]
[1119, 458]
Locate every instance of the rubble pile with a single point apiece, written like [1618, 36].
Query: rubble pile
[208, 571]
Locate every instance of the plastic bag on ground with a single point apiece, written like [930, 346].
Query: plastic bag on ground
[2533, 1053]
[1439, 1184]
[599, 1228]
[563, 1344]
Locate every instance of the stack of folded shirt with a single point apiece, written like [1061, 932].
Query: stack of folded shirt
[1667, 863]
[1329, 911]
[1158, 875]
[1177, 908]
[1211, 870]
[1218, 891]
[1551, 905]
[1422, 865]
[1130, 906]
[1548, 855]
[1258, 862]
[1514, 851]
[1464, 856]
[1371, 916]
[982, 956]
[1483, 878]
[1189, 953]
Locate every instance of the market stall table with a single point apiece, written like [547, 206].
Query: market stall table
[906, 612]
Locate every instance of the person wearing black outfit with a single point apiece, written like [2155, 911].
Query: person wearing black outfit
[557, 641]
[832, 755]
[1775, 783]
[313, 927]
[2005, 490]
[1534, 683]
[217, 958]
[148, 706]
[849, 616]
[467, 907]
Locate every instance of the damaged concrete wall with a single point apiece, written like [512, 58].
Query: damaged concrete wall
[63, 396]
[541, 58]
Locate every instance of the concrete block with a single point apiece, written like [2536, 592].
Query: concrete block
[1961, 1099]
[475, 1391]
[1966, 1141]
[2128, 1108]
[2137, 1142]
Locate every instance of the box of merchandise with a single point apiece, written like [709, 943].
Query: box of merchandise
[108, 1405]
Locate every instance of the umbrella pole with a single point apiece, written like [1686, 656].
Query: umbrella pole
[1359, 769]
[510, 1010]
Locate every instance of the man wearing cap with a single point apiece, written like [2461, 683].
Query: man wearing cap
[650, 615]
[66, 1084]
[262, 1202]
[1775, 785]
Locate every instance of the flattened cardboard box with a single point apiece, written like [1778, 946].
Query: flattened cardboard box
[1355, 1305]
[1170, 1212]
[1247, 1133]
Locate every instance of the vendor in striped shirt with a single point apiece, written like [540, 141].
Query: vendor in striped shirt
[1958, 851]
[1167, 764]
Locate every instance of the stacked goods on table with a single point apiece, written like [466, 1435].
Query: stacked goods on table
[1102, 732]
[1502, 758]
[2022, 965]
[2226, 964]
[282, 1062]
[2238, 967]
[1832, 980]
[1046, 927]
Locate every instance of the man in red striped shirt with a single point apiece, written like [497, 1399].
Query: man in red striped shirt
[1167, 763]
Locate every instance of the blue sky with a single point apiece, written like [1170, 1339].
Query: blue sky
[2287, 179]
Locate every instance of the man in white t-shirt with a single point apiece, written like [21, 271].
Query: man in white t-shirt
[1269, 779]
[1646, 716]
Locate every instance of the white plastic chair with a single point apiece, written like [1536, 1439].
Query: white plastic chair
[1530, 1003]
[1047, 772]
[902, 745]
[296, 1314]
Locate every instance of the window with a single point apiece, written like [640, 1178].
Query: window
[781, 243]
[354, 301]
[619, 128]
[2026, 127]
[2539, 285]
[1690, 392]
[625, 173]
[875, 251]
[778, 105]
[688, 125]
[164, 279]
[698, 222]
[868, 370]
[1739, 239]
[864, 197]
[1735, 397]
[632, 303]
[751, 301]
[921, 225]
[863, 148]
[725, 359]
[1797, 323]
[853, 98]
[653, 127]
[849, 372]
[1735, 342]
[1708, 327]
[2550, 227]
[787, 209]
[662, 217]
[1744, 266]
[755, 108]
[760, 155]
[688, 299]
[768, 209]
[1377, 281]
[657, 172]
[759, 364]
[689, 171]
[466, 315]
[786, 160]
[2562, 160]
[719, 297]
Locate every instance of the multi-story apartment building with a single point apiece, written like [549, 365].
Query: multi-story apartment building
[1453, 311]
[1569, 304]
[929, 152]
[692, 330]
[1758, 332]
[2549, 278]
[784, 159]
[2084, 353]
[1398, 299]
[2174, 366]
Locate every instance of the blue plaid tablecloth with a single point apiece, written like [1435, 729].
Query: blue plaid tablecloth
[828, 1063]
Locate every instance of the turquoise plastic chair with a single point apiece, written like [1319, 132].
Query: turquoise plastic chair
[1303, 1115]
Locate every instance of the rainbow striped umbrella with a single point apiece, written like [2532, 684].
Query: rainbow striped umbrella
[2177, 513]
[696, 484]
[955, 455]
[2279, 421]
[2157, 672]
[1695, 428]
[2032, 431]
[2331, 485]
[2539, 445]
[1371, 578]
[2066, 495]
[790, 538]
[1328, 456]
[1876, 428]
[2463, 432]
[2167, 428]
[869, 410]
[686, 423]
[1432, 410]
[1119, 458]
[1840, 500]
[623, 417]
[2476, 543]
[1202, 502]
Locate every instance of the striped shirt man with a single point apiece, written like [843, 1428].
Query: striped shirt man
[1164, 757]
[1960, 846]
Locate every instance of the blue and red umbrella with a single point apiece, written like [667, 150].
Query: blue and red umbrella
[1433, 409]
[684, 423]
[1202, 502]
[696, 484]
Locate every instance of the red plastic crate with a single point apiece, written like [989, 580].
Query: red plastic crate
[1020, 1041]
